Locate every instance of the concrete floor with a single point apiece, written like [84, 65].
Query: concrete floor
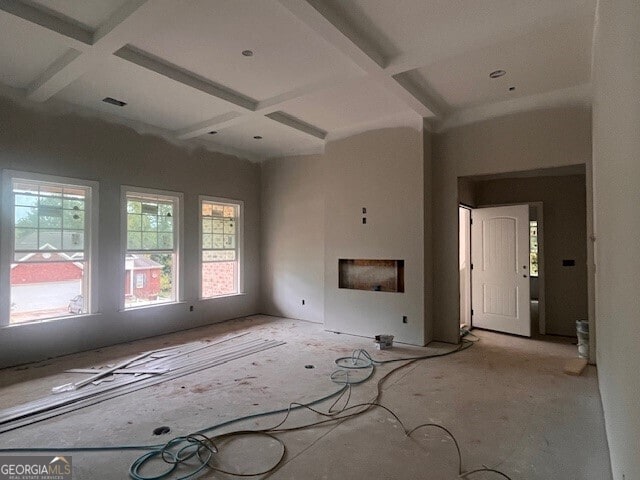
[505, 399]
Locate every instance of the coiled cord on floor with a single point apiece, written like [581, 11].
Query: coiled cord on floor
[196, 452]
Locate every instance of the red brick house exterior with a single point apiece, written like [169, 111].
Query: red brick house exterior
[46, 267]
[142, 278]
[218, 278]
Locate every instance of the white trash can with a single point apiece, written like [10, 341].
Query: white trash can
[582, 328]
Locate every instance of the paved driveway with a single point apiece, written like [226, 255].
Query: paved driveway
[44, 296]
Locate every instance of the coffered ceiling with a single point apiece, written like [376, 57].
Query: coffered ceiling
[296, 73]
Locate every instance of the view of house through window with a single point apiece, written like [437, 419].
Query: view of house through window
[51, 238]
[219, 226]
[150, 261]
[533, 247]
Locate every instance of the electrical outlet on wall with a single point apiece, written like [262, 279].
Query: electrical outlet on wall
[303, 302]
[405, 319]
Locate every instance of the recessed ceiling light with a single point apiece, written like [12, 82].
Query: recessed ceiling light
[511, 89]
[113, 101]
[497, 73]
[213, 132]
[247, 53]
[257, 137]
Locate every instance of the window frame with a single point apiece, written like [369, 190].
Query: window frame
[537, 274]
[7, 240]
[178, 241]
[239, 244]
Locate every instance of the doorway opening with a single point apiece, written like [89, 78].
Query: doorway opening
[530, 228]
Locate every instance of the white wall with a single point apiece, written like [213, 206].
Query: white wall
[523, 141]
[78, 147]
[383, 171]
[293, 237]
[312, 211]
[616, 177]
[427, 167]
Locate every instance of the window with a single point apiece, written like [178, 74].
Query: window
[221, 239]
[151, 258]
[49, 245]
[533, 248]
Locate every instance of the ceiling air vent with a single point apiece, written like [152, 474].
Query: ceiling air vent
[113, 101]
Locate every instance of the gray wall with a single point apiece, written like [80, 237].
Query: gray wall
[565, 237]
[312, 217]
[113, 155]
[616, 177]
[427, 147]
[383, 171]
[293, 237]
[518, 142]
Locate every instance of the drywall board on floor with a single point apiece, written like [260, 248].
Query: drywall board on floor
[616, 181]
[113, 155]
[525, 141]
[452, 390]
[382, 172]
[180, 361]
[292, 240]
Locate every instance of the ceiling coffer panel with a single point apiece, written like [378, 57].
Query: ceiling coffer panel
[150, 97]
[293, 72]
[209, 38]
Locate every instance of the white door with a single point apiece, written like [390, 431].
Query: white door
[500, 269]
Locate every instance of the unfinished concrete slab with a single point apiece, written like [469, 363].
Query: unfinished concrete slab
[506, 400]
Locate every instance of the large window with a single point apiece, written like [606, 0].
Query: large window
[151, 258]
[49, 222]
[220, 237]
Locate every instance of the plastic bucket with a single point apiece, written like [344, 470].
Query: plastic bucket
[582, 329]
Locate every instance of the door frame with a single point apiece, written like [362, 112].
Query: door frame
[469, 281]
[542, 323]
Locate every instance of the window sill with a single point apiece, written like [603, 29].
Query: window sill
[154, 305]
[204, 299]
[48, 320]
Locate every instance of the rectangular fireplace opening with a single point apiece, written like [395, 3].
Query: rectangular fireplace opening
[372, 275]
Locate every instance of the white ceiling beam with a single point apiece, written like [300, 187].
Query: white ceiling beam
[339, 22]
[264, 108]
[119, 24]
[297, 124]
[347, 45]
[273, 104]
[150, 62]
[126, 23]
[74, 35]
[410, 61]
[421, 90]
[335, 31]
[245, 108]
[58, 75]
[221, 121]
[421, 104]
